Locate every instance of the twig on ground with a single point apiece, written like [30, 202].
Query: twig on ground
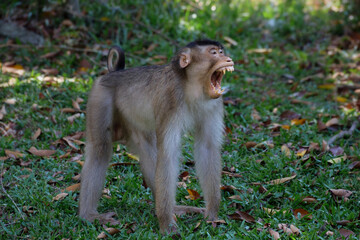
[12, 200]
[344, 133]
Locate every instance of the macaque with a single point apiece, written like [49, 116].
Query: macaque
[148, 109]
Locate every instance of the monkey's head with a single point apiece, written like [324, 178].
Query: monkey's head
[205, 61]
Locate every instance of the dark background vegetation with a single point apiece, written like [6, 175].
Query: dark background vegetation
[295, 89]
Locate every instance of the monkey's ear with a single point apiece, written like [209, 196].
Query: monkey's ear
[184, 59]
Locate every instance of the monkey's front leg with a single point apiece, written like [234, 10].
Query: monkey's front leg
[208, 163]
[168, 144]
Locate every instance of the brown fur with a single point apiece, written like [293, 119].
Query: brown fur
[148, 109]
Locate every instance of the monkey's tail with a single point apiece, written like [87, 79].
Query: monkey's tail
[119, 62]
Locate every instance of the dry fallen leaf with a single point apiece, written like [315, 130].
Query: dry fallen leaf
[250, 144]
[60, 196]
[274, 234]
[36, 134]
[235, 197]
[302, 212]
[110, 231]
[255, 114]
[2, 112]
[332, 122]
[309, 199]
[355, 164]
[239, 215]
[294, 229]
[13, 154]
[41, 153]
[280, 180]
[72, 188]
[286, 150]
[337, 160]
[193, 195]
[345, 232]
[329, 86]
[341, 192]
[10, 101]
[298, 121]
[72, 118]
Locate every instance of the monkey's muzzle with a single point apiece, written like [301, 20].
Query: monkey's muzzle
[216, 79]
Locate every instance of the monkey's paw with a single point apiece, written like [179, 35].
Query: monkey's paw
[181, 210]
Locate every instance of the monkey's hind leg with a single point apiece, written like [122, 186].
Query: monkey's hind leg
[98, 152]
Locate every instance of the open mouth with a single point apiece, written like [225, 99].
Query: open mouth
[216, 78]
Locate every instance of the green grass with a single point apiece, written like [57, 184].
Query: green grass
[302, 45]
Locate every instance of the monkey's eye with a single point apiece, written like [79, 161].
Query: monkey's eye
[213, 51]
[221, 51]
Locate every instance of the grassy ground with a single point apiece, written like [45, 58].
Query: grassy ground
[294, 88]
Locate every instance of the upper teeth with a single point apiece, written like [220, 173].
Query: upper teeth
[224, 69]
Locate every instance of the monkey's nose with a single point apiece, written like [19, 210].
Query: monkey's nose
[228, 60]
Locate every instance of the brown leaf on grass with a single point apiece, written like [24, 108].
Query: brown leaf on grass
[341, 193]
[72, 118]
[274, 234]
[337, 160]
[286, 150]
[230, 40]
[336, 151]
[230, 174]
[314, 147]
[235, 197]
[36, 134]
[309, 199]
[355, 164]
[216, 222]
[2, 112]
[283, 226]
[76, 177]
[345, 232]
[70, 142]
[332, 122]
[302, 212]
[250, 144]
[76, 105]
[41, 153]
[110, 231]
[343, 222]
[272, 211]
[72, 188]
[294, 229]
[60, 196]
[13, 154]
[10, 101]
[184, 175]
[289, 115]
[193, 195]
[228, 188]
[298, 121]
[280, 180]
[4, 158]
[15, 69]
[50, 55]
[50, 71]
[239, 215]
[260, 50]
[321, 126]
[255, 114]
[68, 110]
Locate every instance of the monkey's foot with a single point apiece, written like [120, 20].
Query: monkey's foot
[181, 210]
